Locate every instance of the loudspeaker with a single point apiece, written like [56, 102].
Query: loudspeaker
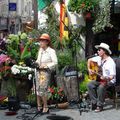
[13, 103]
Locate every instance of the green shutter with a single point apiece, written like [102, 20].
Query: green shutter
[43, 3]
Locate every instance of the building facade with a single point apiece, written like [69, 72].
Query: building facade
[13, 13]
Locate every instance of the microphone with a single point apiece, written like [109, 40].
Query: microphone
[94, 55]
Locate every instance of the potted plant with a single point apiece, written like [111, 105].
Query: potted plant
[18, 48]
[83, 5]
[87, 7]
[58, 95]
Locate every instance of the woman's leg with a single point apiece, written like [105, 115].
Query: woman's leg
[44, 90]
[39, 105]
[45, 106]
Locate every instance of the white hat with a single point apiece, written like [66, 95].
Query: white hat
[104, 46]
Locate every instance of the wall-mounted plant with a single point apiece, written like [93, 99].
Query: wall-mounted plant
[103, 17]
[82, 5]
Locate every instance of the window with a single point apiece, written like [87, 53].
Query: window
[115, 6]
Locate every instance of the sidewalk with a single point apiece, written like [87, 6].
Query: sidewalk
[109, 113]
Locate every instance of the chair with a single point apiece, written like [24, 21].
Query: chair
[111, 93]
[117, 86]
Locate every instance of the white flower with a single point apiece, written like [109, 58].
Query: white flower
[30, 76]
[29, 69]
[15, 70]
[20, 69]
[23, 71]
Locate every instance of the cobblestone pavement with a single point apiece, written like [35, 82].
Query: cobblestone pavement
[109, 113]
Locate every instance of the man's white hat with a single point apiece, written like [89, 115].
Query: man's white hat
[104, 46]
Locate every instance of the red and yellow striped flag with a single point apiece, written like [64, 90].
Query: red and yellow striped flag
[63, 21]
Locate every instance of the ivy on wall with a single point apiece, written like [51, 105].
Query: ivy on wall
[103, 17]
[100, 9]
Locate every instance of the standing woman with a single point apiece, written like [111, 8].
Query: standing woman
[47, 61]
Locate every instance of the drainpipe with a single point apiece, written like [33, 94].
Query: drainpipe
[8, 17]
[35, 9]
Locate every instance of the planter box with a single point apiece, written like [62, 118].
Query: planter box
[69, 85]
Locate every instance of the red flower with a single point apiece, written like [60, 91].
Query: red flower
[51, 90]
[4, 68]
[59, 93]
[60, 89]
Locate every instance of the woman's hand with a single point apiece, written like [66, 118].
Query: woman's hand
[43, 66]
[90, 72]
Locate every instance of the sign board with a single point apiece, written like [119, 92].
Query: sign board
[3, 23]
[12, 6]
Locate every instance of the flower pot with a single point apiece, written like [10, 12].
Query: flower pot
[63, 105]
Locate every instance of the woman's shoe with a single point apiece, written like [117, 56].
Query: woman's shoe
[39, 109]
[99, 109]
[45, 112]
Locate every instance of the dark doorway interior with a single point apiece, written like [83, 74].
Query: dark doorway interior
[110, 35]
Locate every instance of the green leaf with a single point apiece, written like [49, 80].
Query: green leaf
[12, 52]
[25, 54]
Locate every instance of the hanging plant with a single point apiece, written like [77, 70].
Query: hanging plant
[82, 5]
[103, 17]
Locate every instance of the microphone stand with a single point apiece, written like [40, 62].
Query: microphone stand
[34, 83]
[79, 101]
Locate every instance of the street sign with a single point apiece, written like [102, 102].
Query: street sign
[12, 6]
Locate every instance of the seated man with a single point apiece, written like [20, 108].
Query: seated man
[96, 88]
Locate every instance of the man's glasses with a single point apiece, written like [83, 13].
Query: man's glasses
[99, 49]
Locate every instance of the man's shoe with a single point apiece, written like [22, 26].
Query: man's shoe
[99, 109]
[94, 106]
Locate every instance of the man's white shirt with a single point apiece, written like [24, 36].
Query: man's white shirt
[108, 67]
